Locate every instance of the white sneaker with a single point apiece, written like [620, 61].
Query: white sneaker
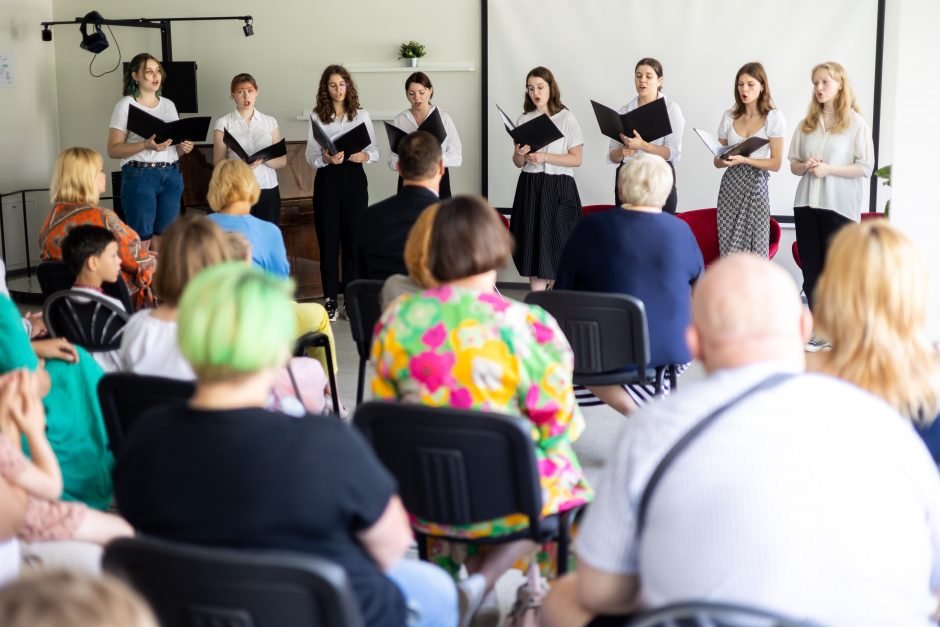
[817, 344]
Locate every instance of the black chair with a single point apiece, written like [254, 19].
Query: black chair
[194, 586]
[708, 614]
[124, 397]
[116, 179]
[455, 467]
[317, 340]
[609, 336]
[55, 276]
[87, 319]
[362, 306]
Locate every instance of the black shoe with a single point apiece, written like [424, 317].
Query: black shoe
[331, 308]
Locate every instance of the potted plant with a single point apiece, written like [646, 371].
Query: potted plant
[411, 51]
[885, 174]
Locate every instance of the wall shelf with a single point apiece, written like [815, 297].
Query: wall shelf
[400, 67]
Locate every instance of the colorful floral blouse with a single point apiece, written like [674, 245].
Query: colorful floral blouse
[459, 348]
[137, 265]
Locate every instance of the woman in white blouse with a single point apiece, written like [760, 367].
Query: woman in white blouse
[832, 152]
[648, 79]
[419, 91]
[743, 197]
[547, 206]
[253, 131]
[340, 187]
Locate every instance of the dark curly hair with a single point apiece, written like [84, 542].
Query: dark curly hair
[324, 104]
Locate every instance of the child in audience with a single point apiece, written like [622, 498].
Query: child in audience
[233, 190]
[91, 252]
[46, 517]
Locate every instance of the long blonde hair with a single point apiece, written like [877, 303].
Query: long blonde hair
[872, 305]
[843, 106]
[75, 176]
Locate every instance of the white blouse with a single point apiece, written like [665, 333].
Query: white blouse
[775, 125]
[453, 155]
[334, 128]
[672, 141]
[148, 346]
[850, 146]
[254, 135]
[165, 110]
[568, 125]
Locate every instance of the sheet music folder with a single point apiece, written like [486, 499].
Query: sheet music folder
[352, 141]
[273, 151]
[745, 148]
[651, 121]
[432, 124]
[188, 129]
[537, 133]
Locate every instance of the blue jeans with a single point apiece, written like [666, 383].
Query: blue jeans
[150, 198]
[429, 593]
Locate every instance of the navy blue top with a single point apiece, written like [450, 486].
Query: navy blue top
[930, 434]
[650, 256]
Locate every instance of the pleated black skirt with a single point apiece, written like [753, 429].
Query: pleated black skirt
[545, 211]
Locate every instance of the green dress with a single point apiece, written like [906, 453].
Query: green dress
[74, 424]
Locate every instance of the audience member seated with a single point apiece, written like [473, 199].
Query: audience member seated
[77, 182]
[463, 345]
[12, 512]
[56, 598]
[871, 304]
[383, 227]
[772, 505]
[46, 518]
[224, 471]
[233, 190]
[416, 261]
[75, 428]
[32, 321]
[641, 251]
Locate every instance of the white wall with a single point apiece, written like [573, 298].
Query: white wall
[29, 136]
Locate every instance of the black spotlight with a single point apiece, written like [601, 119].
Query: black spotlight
[248, 29]
[96, 41]
[46, 34]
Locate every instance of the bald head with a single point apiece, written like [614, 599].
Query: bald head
[746, 309]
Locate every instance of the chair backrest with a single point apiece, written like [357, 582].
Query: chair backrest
[704, 225]
[116, 179]
[192, 586]
[774, 239]
[455, 466]
[607, 332]
[709, 614]
[125, 396]
[362, 306]
[795, 251]
[55, 276]
[86, 319]
[587, 210]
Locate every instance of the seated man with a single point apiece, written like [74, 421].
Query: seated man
[383, 227]
[808, 497]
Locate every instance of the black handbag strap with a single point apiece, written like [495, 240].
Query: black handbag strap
[693, 433]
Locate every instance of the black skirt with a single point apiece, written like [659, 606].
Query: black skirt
[545, 212]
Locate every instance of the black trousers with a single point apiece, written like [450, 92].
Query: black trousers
[444, 192]
[268, 206]
[671, 202]
[814, 230]
[340, 193]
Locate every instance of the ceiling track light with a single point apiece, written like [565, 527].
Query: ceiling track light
[248, 28]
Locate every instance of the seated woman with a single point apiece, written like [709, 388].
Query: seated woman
[224, 471]
[462, 345]
[77, 182]
[416, 260]
[871, 304]
[640, 251]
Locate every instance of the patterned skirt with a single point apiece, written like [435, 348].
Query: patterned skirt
[545, 211]
[744, 211]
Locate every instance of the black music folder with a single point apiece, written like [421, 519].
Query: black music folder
[744, 148]
[273, 151]
[651, 121]
[354, 140]
[537, 133]
[432, 124]
[188, 129]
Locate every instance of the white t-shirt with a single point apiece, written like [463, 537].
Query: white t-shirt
[813, 498]
[775, 125]
[335, 128]
[149, 347]
[253, 136]
[568, 125]
[672, 141]
[165, 110]
[850, 146]
[453, 155]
